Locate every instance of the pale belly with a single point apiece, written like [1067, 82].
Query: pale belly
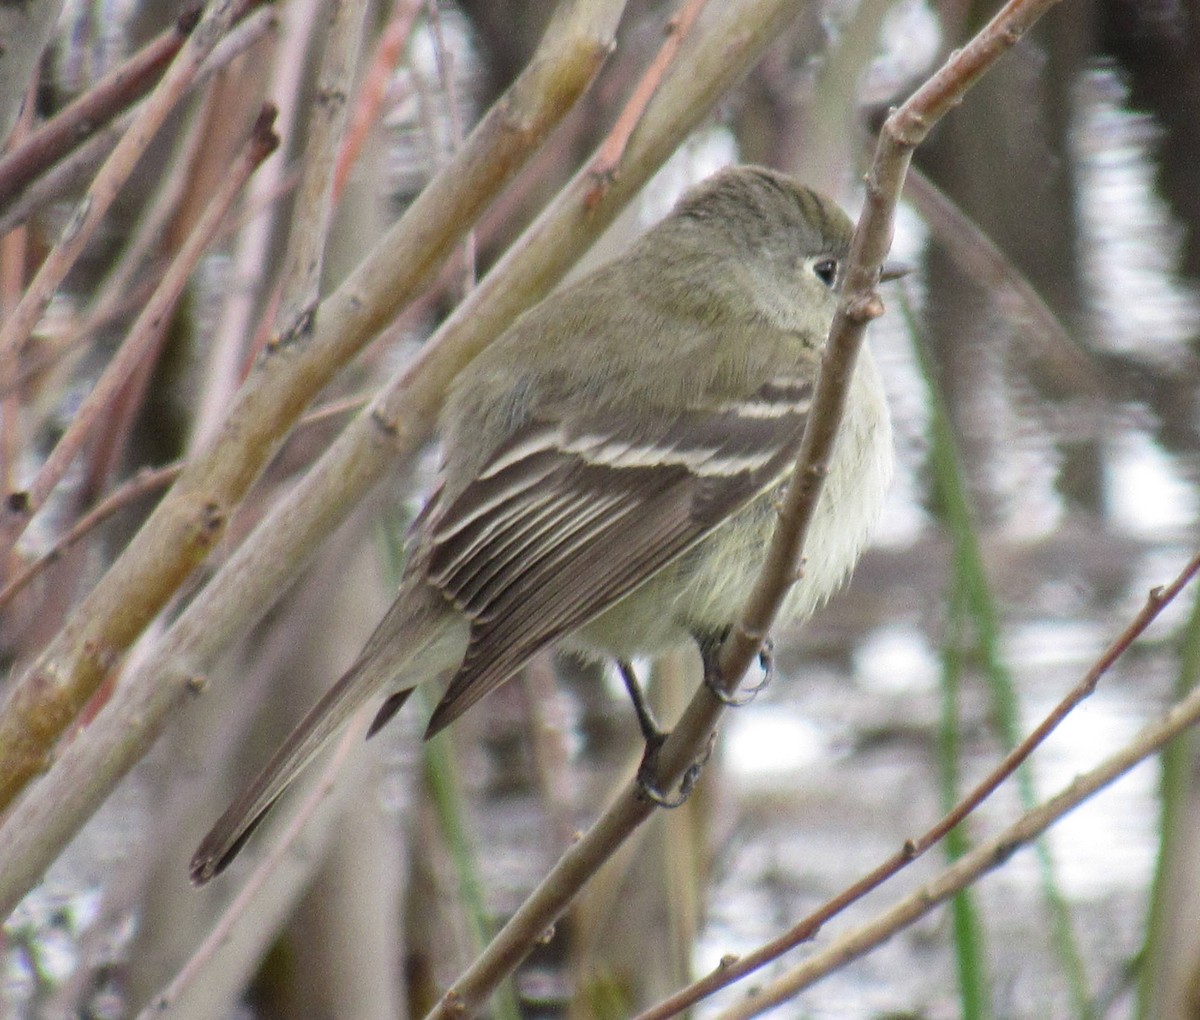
[703, 591]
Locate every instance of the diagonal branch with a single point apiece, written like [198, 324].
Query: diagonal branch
[394, 428]
[25, 29]
[14, 513]
[166, 550]
[146, 329]
[305, 250]
[82, 118]
[733, 970]
[74, 167]
[903, 131]
[985, 857]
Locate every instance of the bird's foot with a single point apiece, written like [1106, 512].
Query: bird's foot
[649, 784]
[712, 677]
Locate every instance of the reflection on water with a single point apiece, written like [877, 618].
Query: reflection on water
[1148, 495]
[1129, 245]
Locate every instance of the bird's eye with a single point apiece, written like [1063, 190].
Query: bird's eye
[826, 271]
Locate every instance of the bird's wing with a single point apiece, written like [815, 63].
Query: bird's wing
[573, 513]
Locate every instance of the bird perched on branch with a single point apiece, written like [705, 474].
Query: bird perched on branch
[611, 469]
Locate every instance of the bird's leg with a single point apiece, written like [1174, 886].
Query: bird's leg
[650, 729]
[647, 773]
[710, 653]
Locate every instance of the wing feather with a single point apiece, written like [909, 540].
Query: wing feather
[571, 515]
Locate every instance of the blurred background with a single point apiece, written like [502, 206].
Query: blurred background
[1041, 367]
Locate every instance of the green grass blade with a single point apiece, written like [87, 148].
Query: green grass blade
[950, 490]
[1175, 782]
[970, 952]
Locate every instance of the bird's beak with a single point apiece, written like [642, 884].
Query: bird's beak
[894, 270]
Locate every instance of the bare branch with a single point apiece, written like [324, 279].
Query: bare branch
[859, 304]
[145, 330]
[250, 272]
[14, 513]
[150, 570]
[733, 970]
[76, 165]
[374, 87]
[986, 857]
[606, 161]
[79, 120]
[314, 199]
[146, 481]
[24, 31]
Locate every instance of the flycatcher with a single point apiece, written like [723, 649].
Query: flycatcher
[611, 466]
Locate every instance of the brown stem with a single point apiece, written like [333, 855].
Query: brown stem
[859, 304]
[145, 482]
[44, 709]
[987, 856]
[732, 970]
[78, 163]
[146, 330]
[170, 543]
[608, 157]
[374, 88]
[87, 114]
[15, 514]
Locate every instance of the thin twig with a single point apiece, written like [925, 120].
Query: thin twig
[732, 970]
[145, 330]
[987, 856]
[313, 208]
[66, 175]
[251, 264]
[154, 223]
[178, 190]
[374, 87]
[84, 116]
[445, 66]
[12, 281]
[180, 531]
[145, 482]
[15, 514]
[56, 348]
[25, 29]
[607, 159]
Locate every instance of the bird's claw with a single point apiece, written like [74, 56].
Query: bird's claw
[648, 784]
[766, 659]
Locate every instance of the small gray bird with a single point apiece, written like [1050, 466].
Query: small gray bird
[611, 466]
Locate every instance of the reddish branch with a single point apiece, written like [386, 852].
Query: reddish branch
[81, 119]
[374, 88]
[145, 331]
[15, 511]
[608, 157]
[146, 481]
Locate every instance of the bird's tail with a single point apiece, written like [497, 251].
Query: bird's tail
[418, 639]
